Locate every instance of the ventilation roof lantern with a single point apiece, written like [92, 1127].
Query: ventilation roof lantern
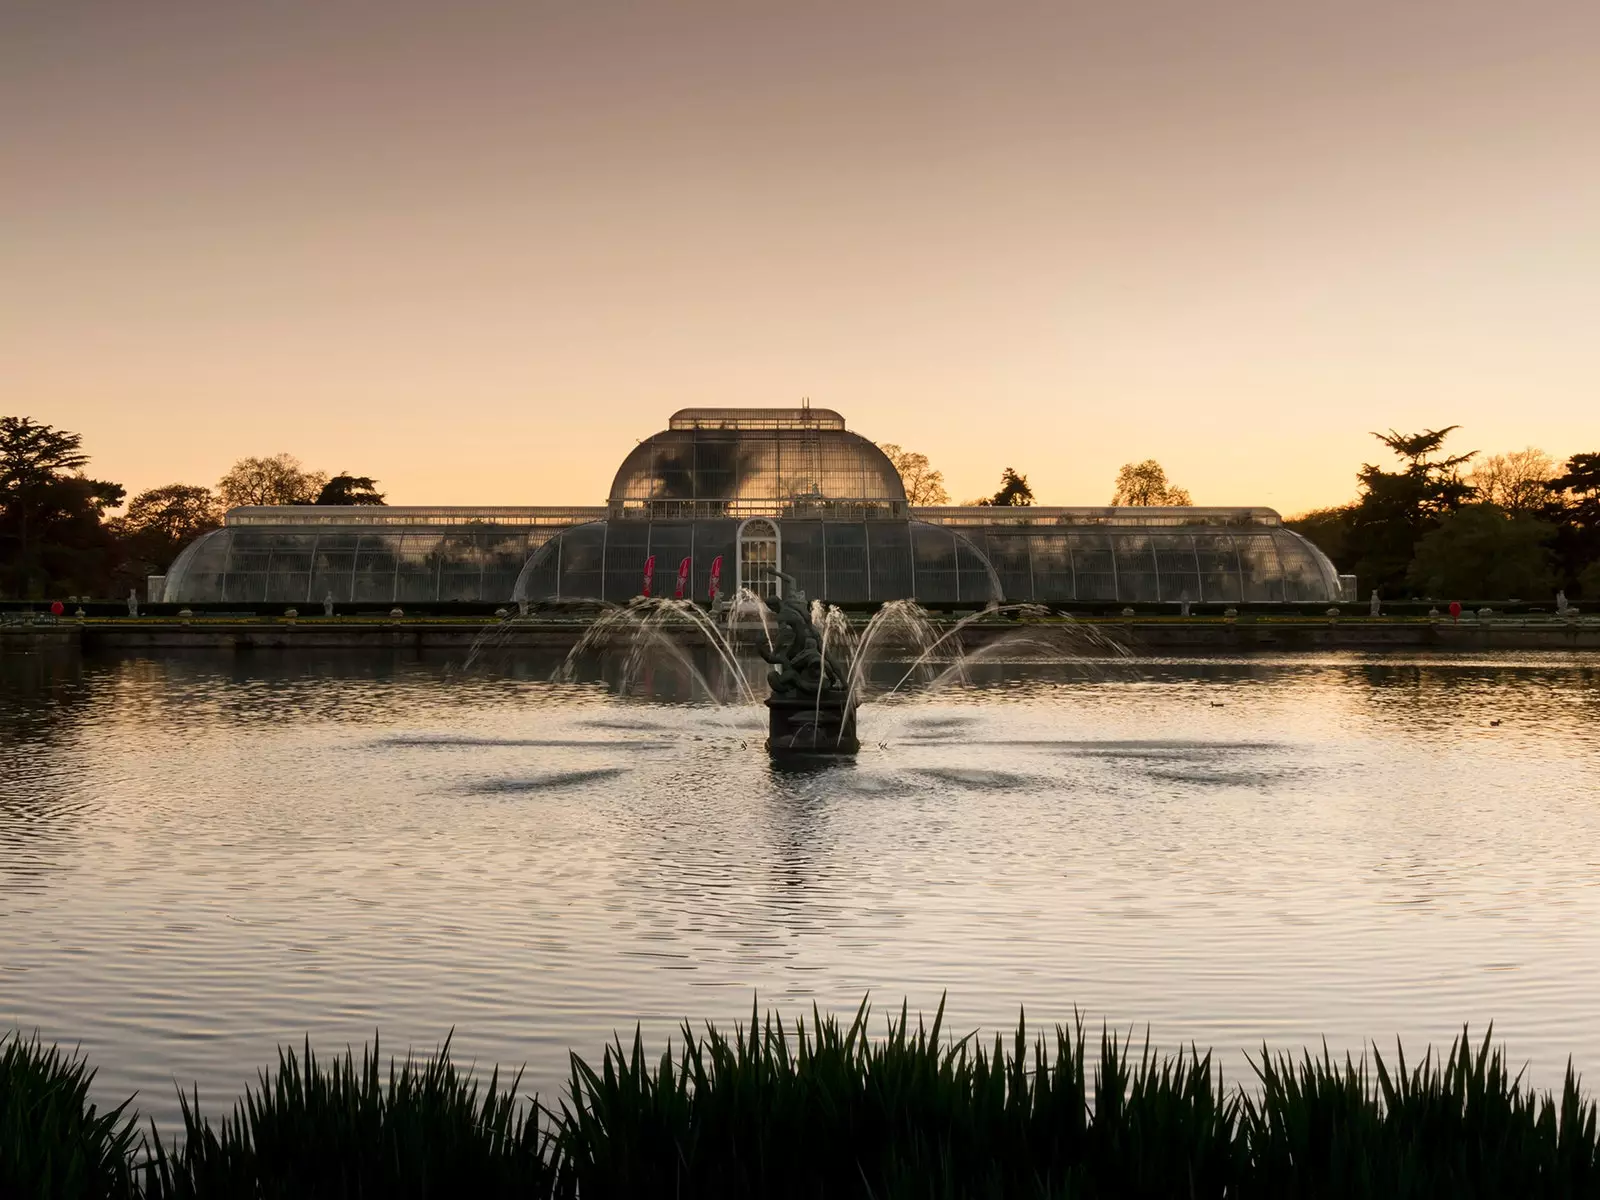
[756, 418]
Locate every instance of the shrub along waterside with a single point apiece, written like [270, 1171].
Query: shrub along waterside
[821, 1109]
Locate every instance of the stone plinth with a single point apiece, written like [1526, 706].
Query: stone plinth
[797, 726]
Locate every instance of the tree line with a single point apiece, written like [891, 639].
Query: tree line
[1438, 525]
[58, 535]
[1141, 485]
[1444, 526]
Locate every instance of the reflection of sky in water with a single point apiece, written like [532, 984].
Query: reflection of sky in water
[202, 856]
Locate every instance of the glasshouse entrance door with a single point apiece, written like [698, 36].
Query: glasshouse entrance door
[759, 558]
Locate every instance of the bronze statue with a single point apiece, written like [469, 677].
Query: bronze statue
[800, 669]
[808, 699]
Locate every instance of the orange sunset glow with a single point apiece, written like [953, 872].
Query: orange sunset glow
[474, 250]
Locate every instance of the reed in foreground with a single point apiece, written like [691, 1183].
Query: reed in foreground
[822, 1108]
[826, 1110]
[53, 1140]
[338, 1129]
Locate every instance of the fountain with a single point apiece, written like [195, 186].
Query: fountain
[820, 663]
[810, 707]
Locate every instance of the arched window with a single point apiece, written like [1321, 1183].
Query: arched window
[759, 557]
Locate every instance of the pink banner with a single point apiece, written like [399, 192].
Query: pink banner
[716, 576]
[649, 573]
[683, 579]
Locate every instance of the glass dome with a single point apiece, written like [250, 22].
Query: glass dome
[727, 462]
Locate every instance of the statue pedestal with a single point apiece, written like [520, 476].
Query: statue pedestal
[803, 727]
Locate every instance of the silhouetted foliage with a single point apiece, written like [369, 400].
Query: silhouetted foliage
[269, 481]
[319, 1128]
[1542, 533]
[1397, 508]
[1580, 482]
[1518, 481]
[53, 538]
[923, 484]
[159, 523]
[1483, 552]
[1014, 492]
[54, 1141]
[1575, 508]
[1588, 581]
[820, 1108]
[1144, 485]
[350, 489]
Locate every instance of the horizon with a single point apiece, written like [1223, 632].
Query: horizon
[474, 254]
[1292, 514]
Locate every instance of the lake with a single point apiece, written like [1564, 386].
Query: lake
[202, 856]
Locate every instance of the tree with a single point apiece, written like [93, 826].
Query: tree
[1144, 485]
[1014, 492]
[1575, 506]
[1580, 481]
[1516, 482]
[1483, 552]
[353, 489]
[159, 523]
[52, 530]
[1589, 581]
[923, 484]
[1397, 508]
[269, 481]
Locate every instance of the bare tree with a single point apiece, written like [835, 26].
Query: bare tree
[1515, 481]
[923, 484]
[276, 480]
[1144, 485]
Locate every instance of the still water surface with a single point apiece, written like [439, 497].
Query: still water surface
[202, 857]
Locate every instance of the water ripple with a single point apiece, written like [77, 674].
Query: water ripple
[202, 856]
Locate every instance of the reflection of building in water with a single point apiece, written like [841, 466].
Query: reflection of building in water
[760, 489]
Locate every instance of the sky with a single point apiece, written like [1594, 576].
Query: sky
[477, 249]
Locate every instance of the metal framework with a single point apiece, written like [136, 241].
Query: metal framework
[376, 515]
[845, 561]
[353, 564]
[804, 417]
[776, 463]
[758, 488]
[1144, 518]
[760, 555]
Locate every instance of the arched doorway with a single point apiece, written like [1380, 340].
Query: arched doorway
[760, 554]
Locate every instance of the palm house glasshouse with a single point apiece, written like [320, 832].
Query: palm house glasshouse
[738, 494]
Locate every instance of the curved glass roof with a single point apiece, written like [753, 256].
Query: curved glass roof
[379, 565]
[841, 525]
[1156, 564]
[716, 462]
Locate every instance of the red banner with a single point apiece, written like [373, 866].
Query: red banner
[716, 576]
[649, 573]
[683, 579]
